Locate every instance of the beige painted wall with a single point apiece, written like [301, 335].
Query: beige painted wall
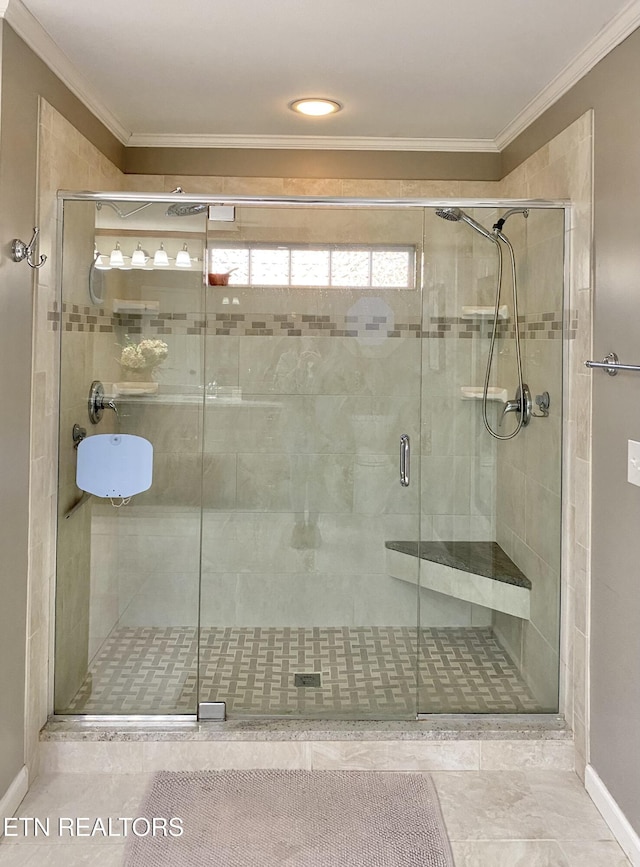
[319, 164]
[15, 357]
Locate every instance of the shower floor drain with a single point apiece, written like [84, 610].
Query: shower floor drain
[314, 679]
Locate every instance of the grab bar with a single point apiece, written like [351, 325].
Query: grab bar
[78, 505]
[611, 364]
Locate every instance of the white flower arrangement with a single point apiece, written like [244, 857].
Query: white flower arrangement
[146, 355]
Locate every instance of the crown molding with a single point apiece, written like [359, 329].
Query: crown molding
[306, 142]
[32, 32]
[621, 26]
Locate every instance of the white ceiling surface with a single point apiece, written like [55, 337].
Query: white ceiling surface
[462, 69]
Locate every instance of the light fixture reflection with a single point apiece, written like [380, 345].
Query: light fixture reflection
[160, 259]
[100, 262]
[139, 257]
[183, 259]
[116, 259]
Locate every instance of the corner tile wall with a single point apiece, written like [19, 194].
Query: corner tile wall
[66, 160]
[74, 534]
[529, 466]
[563, 168]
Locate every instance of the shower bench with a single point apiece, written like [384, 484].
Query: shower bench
[477, 572]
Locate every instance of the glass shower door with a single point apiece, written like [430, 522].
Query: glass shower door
[308, 607]
[127, 594]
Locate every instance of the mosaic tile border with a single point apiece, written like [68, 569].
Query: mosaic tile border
[77, 318]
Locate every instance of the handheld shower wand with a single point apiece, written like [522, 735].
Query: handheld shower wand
[522, 402]
[455, 215]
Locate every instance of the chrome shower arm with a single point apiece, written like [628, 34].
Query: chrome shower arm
[497, 226]
[122, 214]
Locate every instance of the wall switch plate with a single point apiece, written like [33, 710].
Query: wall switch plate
[633, 463]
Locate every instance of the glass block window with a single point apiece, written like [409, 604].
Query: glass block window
[320, 266]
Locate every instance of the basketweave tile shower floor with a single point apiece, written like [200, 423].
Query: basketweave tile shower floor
[365, 671]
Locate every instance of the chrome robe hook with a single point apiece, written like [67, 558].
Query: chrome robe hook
[20, 250]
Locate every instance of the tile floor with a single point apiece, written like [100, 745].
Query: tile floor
[494, 819]
[366, 671]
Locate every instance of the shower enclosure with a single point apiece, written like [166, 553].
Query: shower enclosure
[330, 532]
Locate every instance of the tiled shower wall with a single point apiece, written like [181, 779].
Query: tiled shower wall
[458, 459]
[73, 603]
[300, 479]
[332, 416]
[529, 471]
[66, 161]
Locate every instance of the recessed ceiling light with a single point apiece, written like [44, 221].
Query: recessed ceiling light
[315, 106]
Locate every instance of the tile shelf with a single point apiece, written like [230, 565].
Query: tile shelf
[474, 392]
[125, 306]
[484, 312]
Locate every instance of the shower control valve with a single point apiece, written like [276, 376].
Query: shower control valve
[521, 404]
[98, 402]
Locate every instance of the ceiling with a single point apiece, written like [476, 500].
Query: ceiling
[466, 74]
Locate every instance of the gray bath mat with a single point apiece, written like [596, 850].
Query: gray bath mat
[276, 818]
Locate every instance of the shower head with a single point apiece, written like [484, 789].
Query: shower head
[185, 210]
[456, 214]
[452, 214]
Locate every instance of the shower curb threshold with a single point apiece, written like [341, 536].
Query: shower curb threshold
[463, 728]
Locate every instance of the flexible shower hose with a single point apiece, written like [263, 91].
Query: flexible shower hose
[500, 237]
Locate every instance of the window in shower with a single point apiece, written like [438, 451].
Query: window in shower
[338, 266]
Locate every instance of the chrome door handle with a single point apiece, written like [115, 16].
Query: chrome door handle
[405, 458]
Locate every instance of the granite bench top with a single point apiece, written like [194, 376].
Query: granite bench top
[479, 558]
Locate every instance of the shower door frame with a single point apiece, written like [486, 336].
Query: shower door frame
[354, 203]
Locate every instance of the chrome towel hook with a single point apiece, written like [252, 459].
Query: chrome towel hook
[20, 250]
